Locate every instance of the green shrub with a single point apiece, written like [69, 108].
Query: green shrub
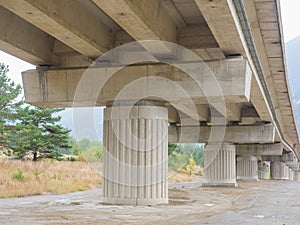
[18, 175]
[93, 154]
[36, 173]
[72, 159]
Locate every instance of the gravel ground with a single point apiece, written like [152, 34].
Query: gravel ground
[262, 202]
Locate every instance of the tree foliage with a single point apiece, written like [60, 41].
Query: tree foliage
[185, 154]
[26, 129]
[37, 131]
[90, 151]
[9, 92]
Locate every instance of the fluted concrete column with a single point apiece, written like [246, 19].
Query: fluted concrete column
[291, 174]
[247, 168]
[286, 172]
[263, 170]
[136, 157]
[279, 171]
[219, 165]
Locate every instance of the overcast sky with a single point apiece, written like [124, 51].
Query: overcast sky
[291, 27]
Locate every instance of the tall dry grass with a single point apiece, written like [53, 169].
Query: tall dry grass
[45, 177]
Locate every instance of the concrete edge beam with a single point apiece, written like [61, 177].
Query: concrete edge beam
[96, 86]
[232, 134]
[259, 149]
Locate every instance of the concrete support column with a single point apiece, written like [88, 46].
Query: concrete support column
[297, 177]
[263, 170]
[135, 159]
[247, 168]
[279, 171]
[219, 165]
[291, 174]
[286, 172]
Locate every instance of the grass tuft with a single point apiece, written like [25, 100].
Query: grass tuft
[18, 175]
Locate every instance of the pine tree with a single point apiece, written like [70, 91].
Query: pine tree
[9, 92]
[37, 132]
[172, 148]
[25, 130]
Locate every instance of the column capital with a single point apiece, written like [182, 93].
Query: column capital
[142, 102]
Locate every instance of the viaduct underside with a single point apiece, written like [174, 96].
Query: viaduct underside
[166, 71]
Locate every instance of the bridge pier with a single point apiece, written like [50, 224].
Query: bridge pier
[297, 176]
[291, 174]
[279, 171]
[219, 165]
[135, 161]
[247, 168]
[263, 170]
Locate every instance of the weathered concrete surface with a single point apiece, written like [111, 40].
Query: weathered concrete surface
[219, 165]
[247, 168]
[232, 134]
[263, 170]
[53, 35]
[50, 88]
[135, 155]
[260, 149]
[265, 202]
[279, 171]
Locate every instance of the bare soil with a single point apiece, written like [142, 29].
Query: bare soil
[262, 202]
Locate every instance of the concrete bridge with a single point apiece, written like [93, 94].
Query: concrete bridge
[200, 71]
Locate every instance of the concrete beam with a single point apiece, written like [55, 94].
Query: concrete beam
[272, 158]
[233, 134]
[222, 20]
[232, 112]
[53, 88]
[271, 56]
[143, 19]
[258, 101]
[198, 37]
[218, 16]
[68, 57]
[297, 150]
[210, 53]
[260, 149]
[27, 42]
[194, 112]
[23, 40]
[68, 21]
[249, 116]
[186, 114]
[149, 20]
[173, 116]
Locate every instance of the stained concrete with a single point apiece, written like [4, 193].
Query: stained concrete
[247, 168]
[135, 156]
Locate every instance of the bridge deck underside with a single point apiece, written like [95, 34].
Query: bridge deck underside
[62, 38]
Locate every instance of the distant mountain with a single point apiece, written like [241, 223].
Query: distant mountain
[293, 61]
[293, 67]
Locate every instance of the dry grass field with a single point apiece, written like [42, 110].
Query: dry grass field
[24, 178]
